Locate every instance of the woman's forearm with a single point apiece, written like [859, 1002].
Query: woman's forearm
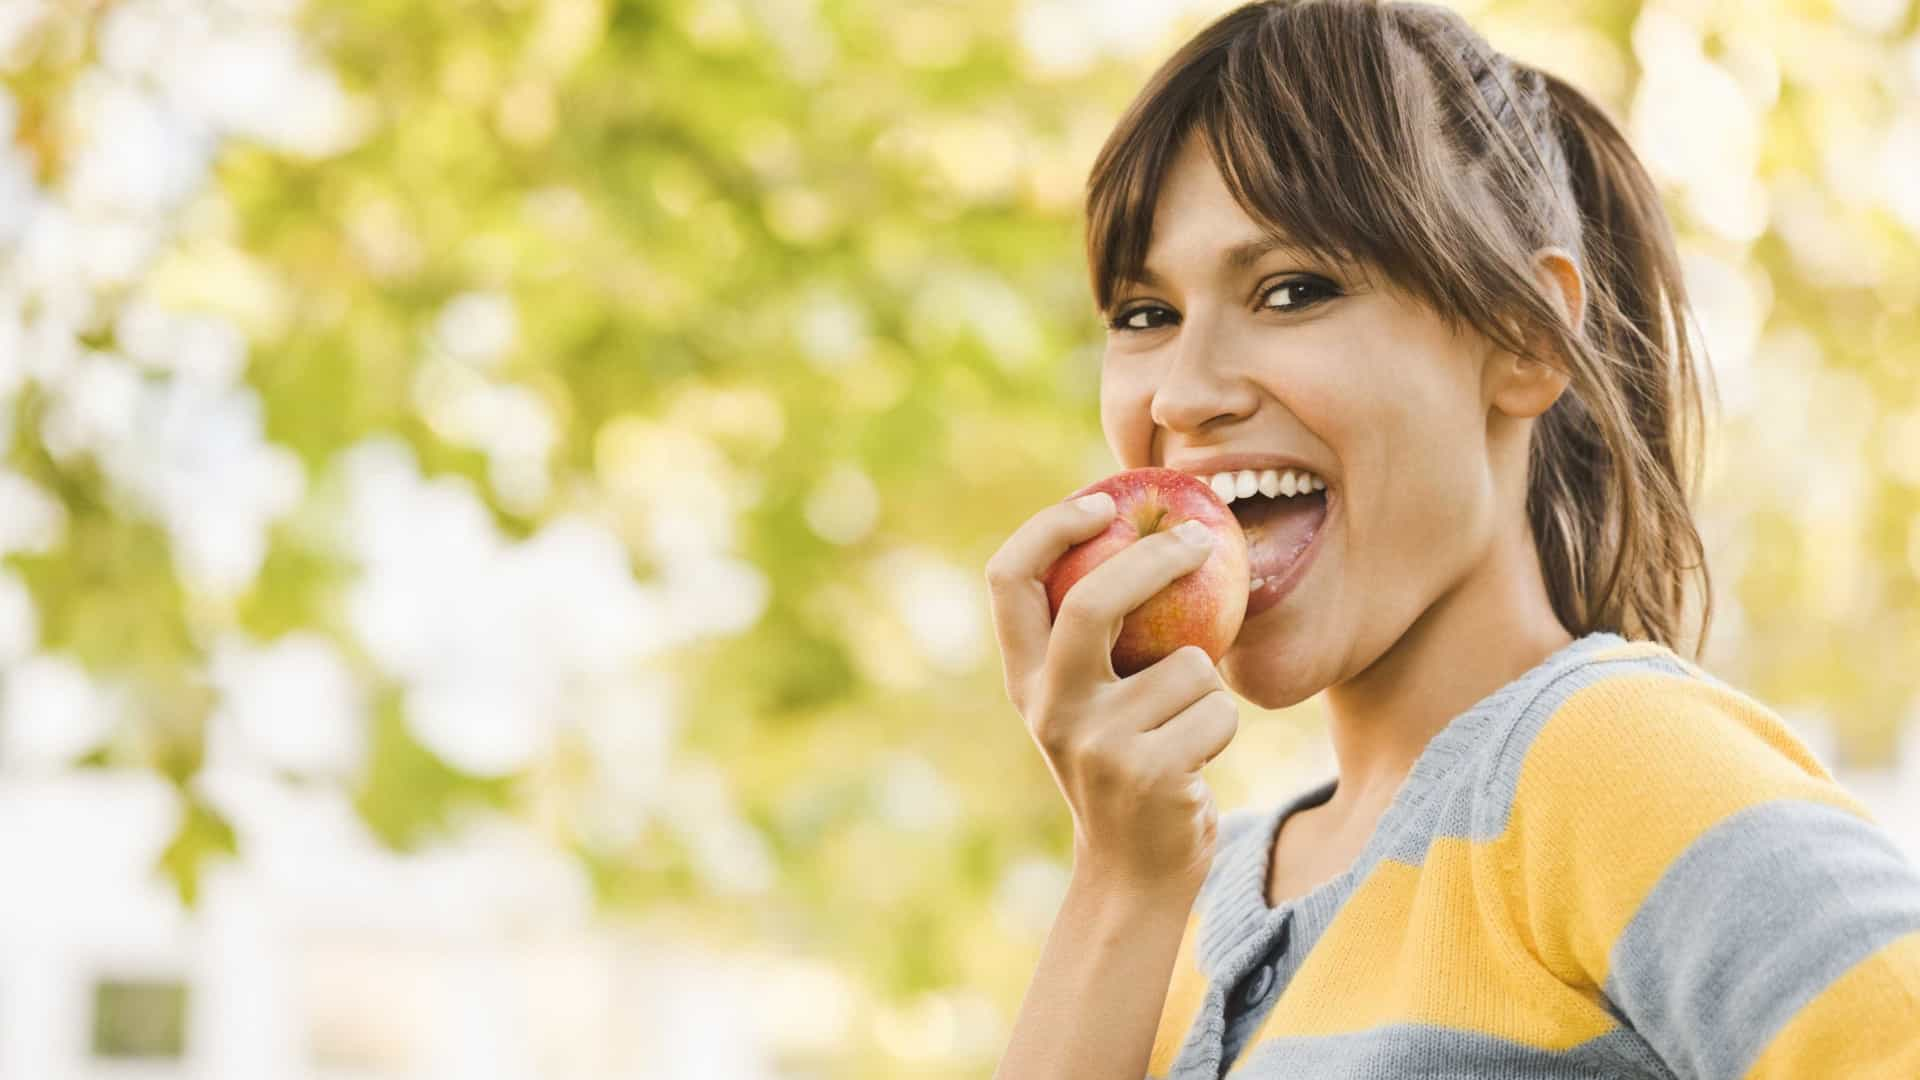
[1095, 1000]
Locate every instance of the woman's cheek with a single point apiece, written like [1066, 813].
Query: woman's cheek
[1126, 420]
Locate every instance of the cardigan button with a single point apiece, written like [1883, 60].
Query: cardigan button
[1257, 986]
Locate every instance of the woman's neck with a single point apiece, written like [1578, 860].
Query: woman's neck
[1494, 627]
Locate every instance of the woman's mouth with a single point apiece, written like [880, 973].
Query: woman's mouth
[1280, 542]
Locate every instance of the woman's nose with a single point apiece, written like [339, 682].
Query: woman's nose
[1198, 387]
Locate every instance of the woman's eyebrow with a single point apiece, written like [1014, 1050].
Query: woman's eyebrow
[1238, 257]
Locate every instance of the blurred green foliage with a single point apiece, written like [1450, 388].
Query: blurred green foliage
[806, 239]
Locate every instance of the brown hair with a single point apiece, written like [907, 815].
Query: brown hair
[1392, 135]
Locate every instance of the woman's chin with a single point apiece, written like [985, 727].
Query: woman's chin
[1268, 680]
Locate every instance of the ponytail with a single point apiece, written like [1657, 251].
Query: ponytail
[1615, 464]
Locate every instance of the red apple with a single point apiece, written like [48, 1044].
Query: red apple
[1203, 607]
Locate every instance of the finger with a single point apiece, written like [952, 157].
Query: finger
[1021, 618]
[1196, 734]
[1170, 684]
[1088, 623]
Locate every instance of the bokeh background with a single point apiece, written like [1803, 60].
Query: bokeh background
[496, 494]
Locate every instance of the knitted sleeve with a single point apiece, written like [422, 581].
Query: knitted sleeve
[1680, 854]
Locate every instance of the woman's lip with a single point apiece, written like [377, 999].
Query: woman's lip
[1269, 595]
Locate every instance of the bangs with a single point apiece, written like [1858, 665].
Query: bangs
[1320, 125]
[1120, 230]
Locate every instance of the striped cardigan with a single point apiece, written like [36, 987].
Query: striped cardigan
[1614, 866]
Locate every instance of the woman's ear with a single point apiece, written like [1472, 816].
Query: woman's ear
[1554, 268]
[1523, 387]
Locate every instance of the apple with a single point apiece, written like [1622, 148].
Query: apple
[1203, 607]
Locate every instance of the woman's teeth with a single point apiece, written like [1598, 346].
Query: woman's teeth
[1269, 482]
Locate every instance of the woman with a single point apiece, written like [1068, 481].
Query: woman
[1351, 242]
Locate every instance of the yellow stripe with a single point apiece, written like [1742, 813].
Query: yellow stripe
[1623, 777]
[1404, 949]
[1830, 1034]
[1186, 991]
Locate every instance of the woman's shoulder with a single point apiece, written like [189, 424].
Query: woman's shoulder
[1636, 730]
[1644, 693]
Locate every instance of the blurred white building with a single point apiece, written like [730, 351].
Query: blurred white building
[1891, 792]
[321, 957]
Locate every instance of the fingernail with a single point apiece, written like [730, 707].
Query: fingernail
[1097, 503]
[1195, 533]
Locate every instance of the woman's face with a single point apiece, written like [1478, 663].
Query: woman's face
[1351, 378]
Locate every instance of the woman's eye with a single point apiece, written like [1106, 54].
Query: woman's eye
[1130, 320]
[1294, 291]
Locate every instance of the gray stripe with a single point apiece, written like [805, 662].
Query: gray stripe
[1758, 916]
[1237, 922]
[1233, 824]
[1431, 1052]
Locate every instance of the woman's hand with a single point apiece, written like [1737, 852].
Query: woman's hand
[1126, 752]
